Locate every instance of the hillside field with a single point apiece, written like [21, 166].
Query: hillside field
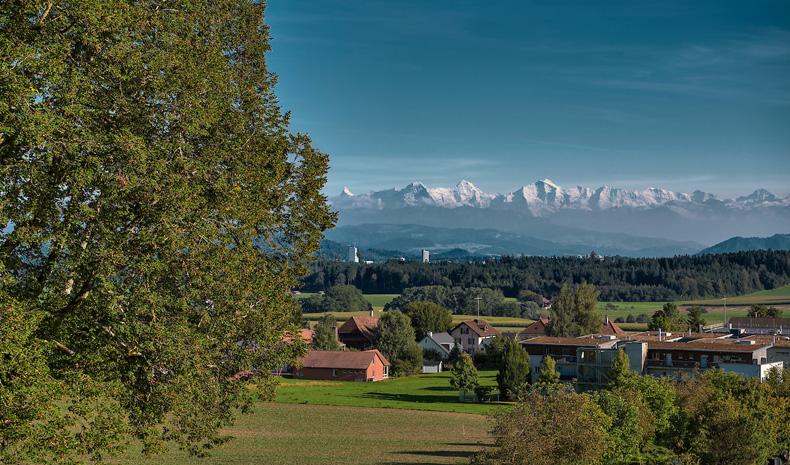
[298, 434]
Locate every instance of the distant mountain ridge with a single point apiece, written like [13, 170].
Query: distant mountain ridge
[742, 244]
[545, 197]
[580, 215]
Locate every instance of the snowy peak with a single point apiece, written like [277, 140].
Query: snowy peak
[544, 198]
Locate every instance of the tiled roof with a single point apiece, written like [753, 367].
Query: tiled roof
[480, 327]
[538, 327]
[612, 329]
[360, 324]
[341, 359]
[442, 338]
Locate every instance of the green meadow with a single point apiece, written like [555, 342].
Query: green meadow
[279, 433]
[419, 392]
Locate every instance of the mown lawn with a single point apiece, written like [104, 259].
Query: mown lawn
[419, 392]
[278, 433]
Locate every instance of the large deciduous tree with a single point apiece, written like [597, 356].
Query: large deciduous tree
[155, 211]
[666, 319]
[394, 338]
[427, 316]
[574, 312]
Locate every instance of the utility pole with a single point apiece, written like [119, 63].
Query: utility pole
[478, 306]
[725, 312]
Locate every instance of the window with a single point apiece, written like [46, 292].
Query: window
[566, 352]
[334, 372]
[471, 341]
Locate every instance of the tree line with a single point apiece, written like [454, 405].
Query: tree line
[618, 279]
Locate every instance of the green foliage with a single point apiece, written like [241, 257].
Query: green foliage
[458, 300]
[574, 312]
[495, 349]
[618, 279]
[732, 419]
[620, 373]
[667, 319]
[630, 428]
[548, 376]
[559, 428]
[514, 373]
[394, 338]
[337, 299]
[695, 319]
[324, 337]
[432, 354]
[427, 316]
[526, 295]
[463, 376]
[761, 311]
[156, 211]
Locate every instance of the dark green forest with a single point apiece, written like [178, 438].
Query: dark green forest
[617, 278]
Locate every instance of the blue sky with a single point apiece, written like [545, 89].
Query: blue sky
[681, 95]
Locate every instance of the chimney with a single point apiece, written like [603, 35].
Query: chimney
[371, 313]
[430, 334]
[607, 320]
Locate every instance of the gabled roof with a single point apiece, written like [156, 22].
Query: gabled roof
[611, 329]
[306, 335]
[536, 328]
[341, 359]
[442, 338]
[480, 327]
[360, 324]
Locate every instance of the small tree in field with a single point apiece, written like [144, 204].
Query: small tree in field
[464, 374]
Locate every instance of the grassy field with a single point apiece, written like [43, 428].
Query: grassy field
[278, 433]
[779, 297]
[420, 392]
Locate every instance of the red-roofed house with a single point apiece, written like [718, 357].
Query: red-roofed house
[536, 329]
[369, 365]
[357, 331]
[473, 335]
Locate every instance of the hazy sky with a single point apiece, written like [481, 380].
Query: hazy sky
[681, 95]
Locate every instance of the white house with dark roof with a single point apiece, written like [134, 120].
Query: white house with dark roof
[473, 335]
[442, 342]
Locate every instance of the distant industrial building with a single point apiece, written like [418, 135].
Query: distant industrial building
[352, 254]
[425, 258]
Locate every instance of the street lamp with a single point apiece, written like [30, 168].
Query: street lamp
[478, 306]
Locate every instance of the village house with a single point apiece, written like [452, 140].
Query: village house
[357, 331]
[369, 365]
[441, 342]
[473, 335]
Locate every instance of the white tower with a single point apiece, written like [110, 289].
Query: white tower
[352, 254]
[425, 256]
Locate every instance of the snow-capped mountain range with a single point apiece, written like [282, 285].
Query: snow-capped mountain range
[544, 198]
[619, 220]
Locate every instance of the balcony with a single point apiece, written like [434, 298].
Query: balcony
[688, 364]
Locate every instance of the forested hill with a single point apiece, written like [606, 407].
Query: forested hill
[737, 244]
[617, 278]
